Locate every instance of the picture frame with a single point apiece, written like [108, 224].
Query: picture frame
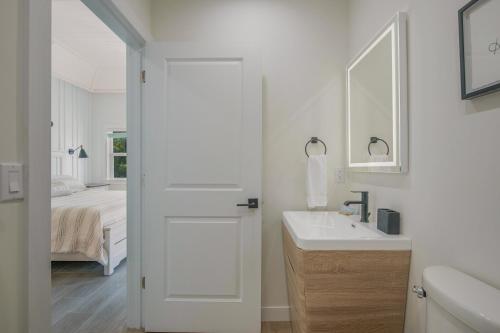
[479, 34]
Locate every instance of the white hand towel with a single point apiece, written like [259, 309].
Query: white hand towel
[316, 181]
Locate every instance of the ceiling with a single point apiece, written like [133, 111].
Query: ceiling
[85, 52]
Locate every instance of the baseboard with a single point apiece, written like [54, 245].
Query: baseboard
[275, 313]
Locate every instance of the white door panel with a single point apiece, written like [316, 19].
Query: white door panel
[202, 156]
[203, 148]
[191, 273]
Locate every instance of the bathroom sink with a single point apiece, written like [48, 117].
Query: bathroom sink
[334, 231]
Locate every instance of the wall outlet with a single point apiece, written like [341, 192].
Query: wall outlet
[340, 175]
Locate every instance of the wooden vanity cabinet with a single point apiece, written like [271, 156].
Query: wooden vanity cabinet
[346, 291]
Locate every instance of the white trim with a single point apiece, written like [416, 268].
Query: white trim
[35, 98]
[110, 163]
[404, 149]
[35, 95]
[111, 15]
[275, 313]
[107, 11]
[134, 189]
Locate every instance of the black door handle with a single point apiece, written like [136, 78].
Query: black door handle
[252, 203]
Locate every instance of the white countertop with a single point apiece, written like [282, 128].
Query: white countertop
[315, 230]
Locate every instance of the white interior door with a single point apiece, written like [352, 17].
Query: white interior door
[202, 157]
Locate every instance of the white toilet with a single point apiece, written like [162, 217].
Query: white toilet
[459, 303]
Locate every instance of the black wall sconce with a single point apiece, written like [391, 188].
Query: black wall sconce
[81, 154]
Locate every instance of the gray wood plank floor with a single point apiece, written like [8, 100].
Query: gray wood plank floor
[86, 301]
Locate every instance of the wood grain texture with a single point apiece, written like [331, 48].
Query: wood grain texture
[294, 264]
[346, 291]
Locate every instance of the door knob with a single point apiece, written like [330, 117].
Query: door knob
[252, 203]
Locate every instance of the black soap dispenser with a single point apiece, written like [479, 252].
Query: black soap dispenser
[388, 221]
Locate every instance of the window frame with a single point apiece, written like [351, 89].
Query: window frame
[110, 155]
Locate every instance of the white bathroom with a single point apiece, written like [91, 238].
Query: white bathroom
[294, 166]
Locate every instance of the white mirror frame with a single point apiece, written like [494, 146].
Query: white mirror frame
[399, 164]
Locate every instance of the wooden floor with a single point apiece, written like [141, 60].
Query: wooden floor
[267, 327]
[276, 327]
[86, 301]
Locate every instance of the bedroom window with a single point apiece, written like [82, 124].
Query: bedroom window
[117, 154]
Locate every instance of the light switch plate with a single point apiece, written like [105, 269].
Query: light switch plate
[11, 181]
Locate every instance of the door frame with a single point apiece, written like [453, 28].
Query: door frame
[35, 104]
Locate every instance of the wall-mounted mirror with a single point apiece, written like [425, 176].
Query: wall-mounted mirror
[377, 135]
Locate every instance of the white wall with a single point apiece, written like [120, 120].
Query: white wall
[108, 113]
[138, 12]
[70, 114]
[448, 199]
[81, 117]
[304, 52]
[12, 297]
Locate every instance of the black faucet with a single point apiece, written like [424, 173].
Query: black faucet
[363, 203]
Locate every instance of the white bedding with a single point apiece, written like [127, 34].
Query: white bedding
[78, 221]
[111, 204]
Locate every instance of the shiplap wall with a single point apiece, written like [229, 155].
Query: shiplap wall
[71, 117]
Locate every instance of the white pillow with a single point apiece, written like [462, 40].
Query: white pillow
[59, 189]
[73, 184]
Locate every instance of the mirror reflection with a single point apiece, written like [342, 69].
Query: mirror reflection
[371, 105]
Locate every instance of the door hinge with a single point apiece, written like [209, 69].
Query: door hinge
[143, 282]
[143, 76]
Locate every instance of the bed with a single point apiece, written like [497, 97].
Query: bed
[89, 225]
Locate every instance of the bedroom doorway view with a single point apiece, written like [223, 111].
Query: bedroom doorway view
[89, 173]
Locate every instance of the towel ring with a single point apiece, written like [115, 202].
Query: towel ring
[374, 139]
[314, 139]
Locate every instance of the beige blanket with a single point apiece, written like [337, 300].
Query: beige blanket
[78, 221]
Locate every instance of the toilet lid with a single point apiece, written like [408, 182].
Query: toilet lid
[468, 299]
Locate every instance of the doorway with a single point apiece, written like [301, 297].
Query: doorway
[35, 83]
[232, 221]
[88, 172]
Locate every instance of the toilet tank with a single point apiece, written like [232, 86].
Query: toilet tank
[459, 303]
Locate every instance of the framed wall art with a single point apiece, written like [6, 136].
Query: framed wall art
[479, 34]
